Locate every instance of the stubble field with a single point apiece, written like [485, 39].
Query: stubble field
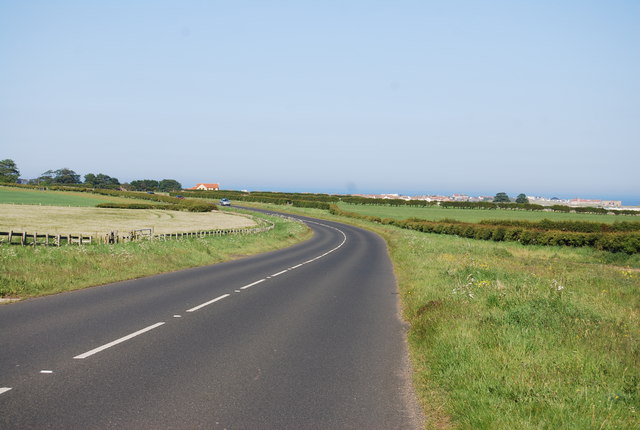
[57, 219]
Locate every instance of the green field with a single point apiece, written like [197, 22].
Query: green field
[435, 213]
[58, 198]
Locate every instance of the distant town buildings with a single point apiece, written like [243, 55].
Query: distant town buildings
[576, 202]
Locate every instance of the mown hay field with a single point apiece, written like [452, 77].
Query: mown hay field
[90, 220]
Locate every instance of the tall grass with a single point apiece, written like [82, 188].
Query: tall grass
[34, 271]
[513, 337]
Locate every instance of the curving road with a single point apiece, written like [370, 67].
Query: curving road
[304, 337]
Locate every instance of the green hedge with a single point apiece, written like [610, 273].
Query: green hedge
[134, 206]
[577, 226]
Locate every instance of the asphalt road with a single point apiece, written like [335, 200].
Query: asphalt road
[304, 337]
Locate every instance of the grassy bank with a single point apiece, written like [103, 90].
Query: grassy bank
[34, 271]
[506, 336]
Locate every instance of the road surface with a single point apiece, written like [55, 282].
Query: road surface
[307, 337]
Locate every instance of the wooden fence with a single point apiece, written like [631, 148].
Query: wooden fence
[35, 239]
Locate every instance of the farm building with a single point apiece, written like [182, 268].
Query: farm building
[206, 187]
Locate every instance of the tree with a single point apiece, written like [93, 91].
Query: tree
[144, 185]
[100, 180]
[501, 198]
[45, 179]
[9, 171]
[522, 198]
[169, 185]
[60, 176]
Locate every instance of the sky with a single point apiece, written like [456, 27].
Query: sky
[412, 97]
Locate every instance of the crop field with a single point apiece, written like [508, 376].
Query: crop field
[57, 198]
[58, 219]
[435, 213]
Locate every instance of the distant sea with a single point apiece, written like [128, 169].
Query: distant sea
[629, 201]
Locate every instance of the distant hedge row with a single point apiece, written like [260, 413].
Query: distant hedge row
[317, 201]
[133, 206]
[534, 207]
[627, 242]
[186, 206]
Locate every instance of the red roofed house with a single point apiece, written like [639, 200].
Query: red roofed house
[206, 187]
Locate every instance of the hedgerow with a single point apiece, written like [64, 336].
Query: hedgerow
[577, 226]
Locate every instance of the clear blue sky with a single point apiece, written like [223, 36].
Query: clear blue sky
[413, 97]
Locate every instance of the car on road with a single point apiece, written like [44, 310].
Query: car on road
[225, 202]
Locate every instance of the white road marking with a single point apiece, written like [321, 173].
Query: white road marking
[208, 303]
[46, 371]
[4, 389]
[252, 284]
[115, 342]
[279, 273]
[177, 316]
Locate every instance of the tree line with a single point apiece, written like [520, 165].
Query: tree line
[9, 173]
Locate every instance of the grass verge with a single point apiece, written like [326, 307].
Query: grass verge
[35, 271]
[506, 336]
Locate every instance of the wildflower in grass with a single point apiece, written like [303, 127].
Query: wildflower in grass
[7, 253]
[467, 290]
[555, 291]
[557, 286]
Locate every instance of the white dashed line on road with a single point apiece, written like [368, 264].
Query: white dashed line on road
[279, 273]
[252, 284]
[117, 341]
[208, 303]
